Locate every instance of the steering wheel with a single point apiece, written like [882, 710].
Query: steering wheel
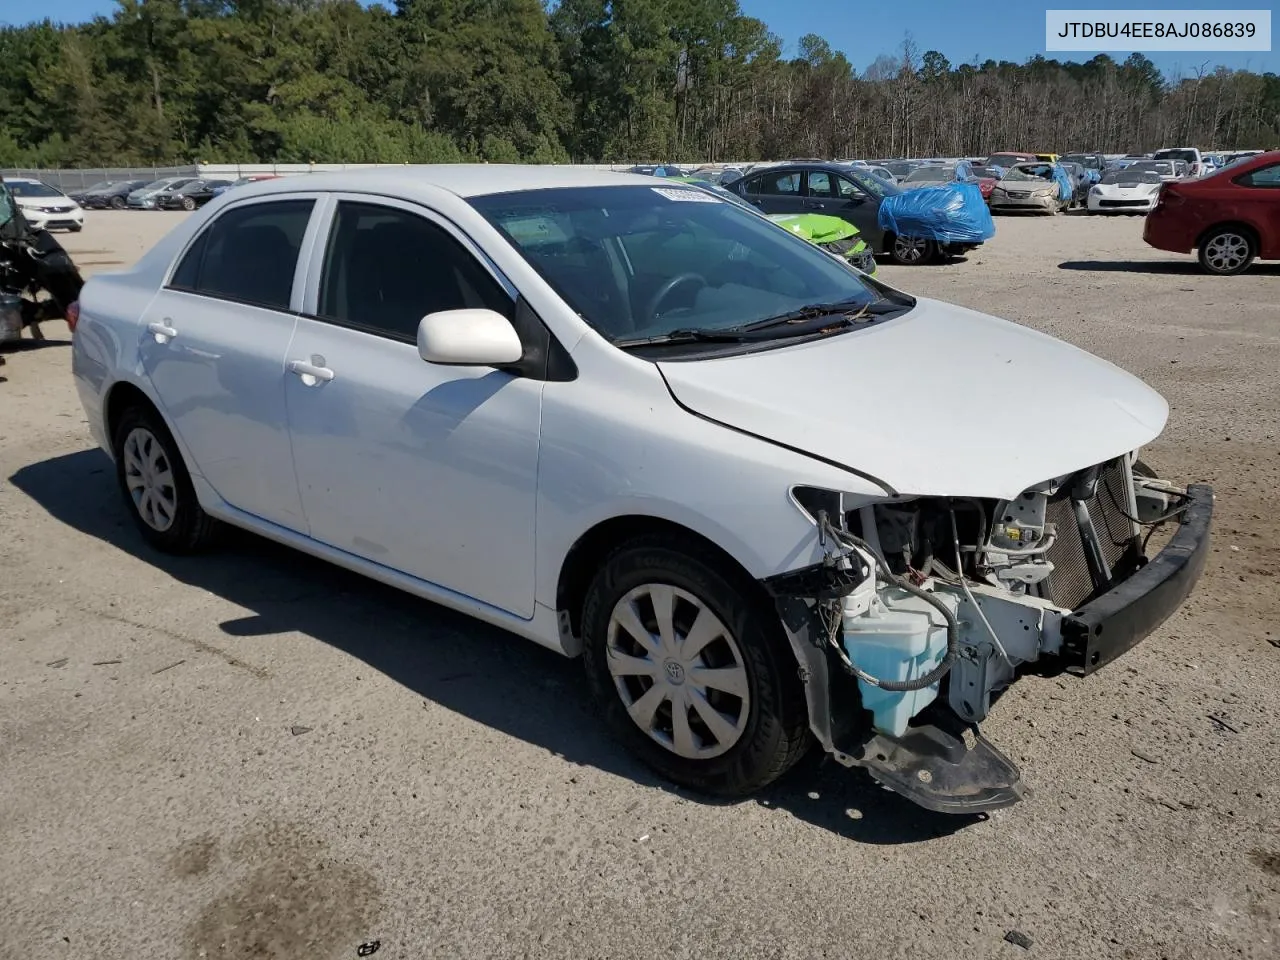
[667, 288]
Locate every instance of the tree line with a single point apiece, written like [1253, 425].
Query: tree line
[296, 81]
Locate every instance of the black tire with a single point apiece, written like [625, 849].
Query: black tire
[1227, 251]
[911, 252]
[188, 203]
[776, 732]
[191, 528]
[117, 203]
[76, 227]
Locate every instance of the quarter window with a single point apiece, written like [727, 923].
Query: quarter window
[248, 254]
[1262, 177]
[386, 269]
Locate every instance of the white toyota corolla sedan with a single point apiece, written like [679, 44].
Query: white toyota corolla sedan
[769, 500]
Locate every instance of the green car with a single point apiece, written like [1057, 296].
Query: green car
[838, 237]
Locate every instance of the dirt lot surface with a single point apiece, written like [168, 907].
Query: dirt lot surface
[252, 754]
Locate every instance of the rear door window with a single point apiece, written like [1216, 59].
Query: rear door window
[247, 255]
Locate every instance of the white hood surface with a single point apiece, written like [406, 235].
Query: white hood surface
[942, 401]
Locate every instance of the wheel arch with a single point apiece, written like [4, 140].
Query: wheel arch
[120, 397]
[1243, 226]
[590, 551]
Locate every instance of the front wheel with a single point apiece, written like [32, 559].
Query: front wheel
[912, 251]
[690, 670]
[1226, 251]
[188, 203]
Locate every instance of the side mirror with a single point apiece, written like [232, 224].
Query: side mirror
[470, 338]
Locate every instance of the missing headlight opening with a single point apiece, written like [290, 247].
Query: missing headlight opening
[932, 607]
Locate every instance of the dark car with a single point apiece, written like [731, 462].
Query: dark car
[839, 191]
[114, 195]
[82, 195]
[189, 196]
[1231, 217]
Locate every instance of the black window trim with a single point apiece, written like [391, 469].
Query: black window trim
[1239, 180]
[316, 201]
[545, 357]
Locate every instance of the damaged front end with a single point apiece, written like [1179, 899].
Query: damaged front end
[926, 609]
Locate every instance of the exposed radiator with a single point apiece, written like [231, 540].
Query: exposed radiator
[1070, 584]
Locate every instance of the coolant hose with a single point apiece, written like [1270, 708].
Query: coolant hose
[953, 625]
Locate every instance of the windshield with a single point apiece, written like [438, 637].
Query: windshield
[1163, 168]
[873, 184]
[639, 262]
[900, 168]
[1031, 171]
[1131, 177]
[1006, 159]
[929, 174]
[1188, 155]
[32, 188]
[716, 190]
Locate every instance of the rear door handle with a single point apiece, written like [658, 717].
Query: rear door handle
[162, 331]
[310, 373]
[814, 204]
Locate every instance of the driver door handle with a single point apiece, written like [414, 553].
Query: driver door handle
[814, 204]
[162, 331]
[310, 373]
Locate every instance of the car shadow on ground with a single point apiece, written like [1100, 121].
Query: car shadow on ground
[478, 671]
[29, 342]
[1177, 268]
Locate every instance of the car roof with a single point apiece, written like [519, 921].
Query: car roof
[462, 179]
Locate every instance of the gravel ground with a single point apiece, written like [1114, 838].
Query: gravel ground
[253, 754]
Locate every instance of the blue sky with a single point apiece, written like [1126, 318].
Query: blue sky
[961, 29]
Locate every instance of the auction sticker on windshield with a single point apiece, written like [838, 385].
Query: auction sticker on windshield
[686, 196]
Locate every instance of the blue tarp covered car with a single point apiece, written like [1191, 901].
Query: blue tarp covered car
[951, 213]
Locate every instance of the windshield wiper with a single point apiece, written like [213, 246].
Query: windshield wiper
[821, 316]
[689, 335]
[842, 312]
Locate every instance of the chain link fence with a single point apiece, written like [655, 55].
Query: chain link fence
[75, 181]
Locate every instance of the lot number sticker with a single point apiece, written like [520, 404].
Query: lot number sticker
[686, 196]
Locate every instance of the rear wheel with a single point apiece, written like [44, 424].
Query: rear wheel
[690, 670]
[912, 251]
[156, 485]
[1226, 251]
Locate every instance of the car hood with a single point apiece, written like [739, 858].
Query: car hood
[816, 227]
[44, 201]
[942, 401]
[1138, 187]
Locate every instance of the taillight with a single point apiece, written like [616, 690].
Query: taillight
[73, 315]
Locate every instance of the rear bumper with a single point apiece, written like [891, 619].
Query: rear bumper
[1105, 628]
[1167, 233]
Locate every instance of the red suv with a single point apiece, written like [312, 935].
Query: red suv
[1231, 217]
